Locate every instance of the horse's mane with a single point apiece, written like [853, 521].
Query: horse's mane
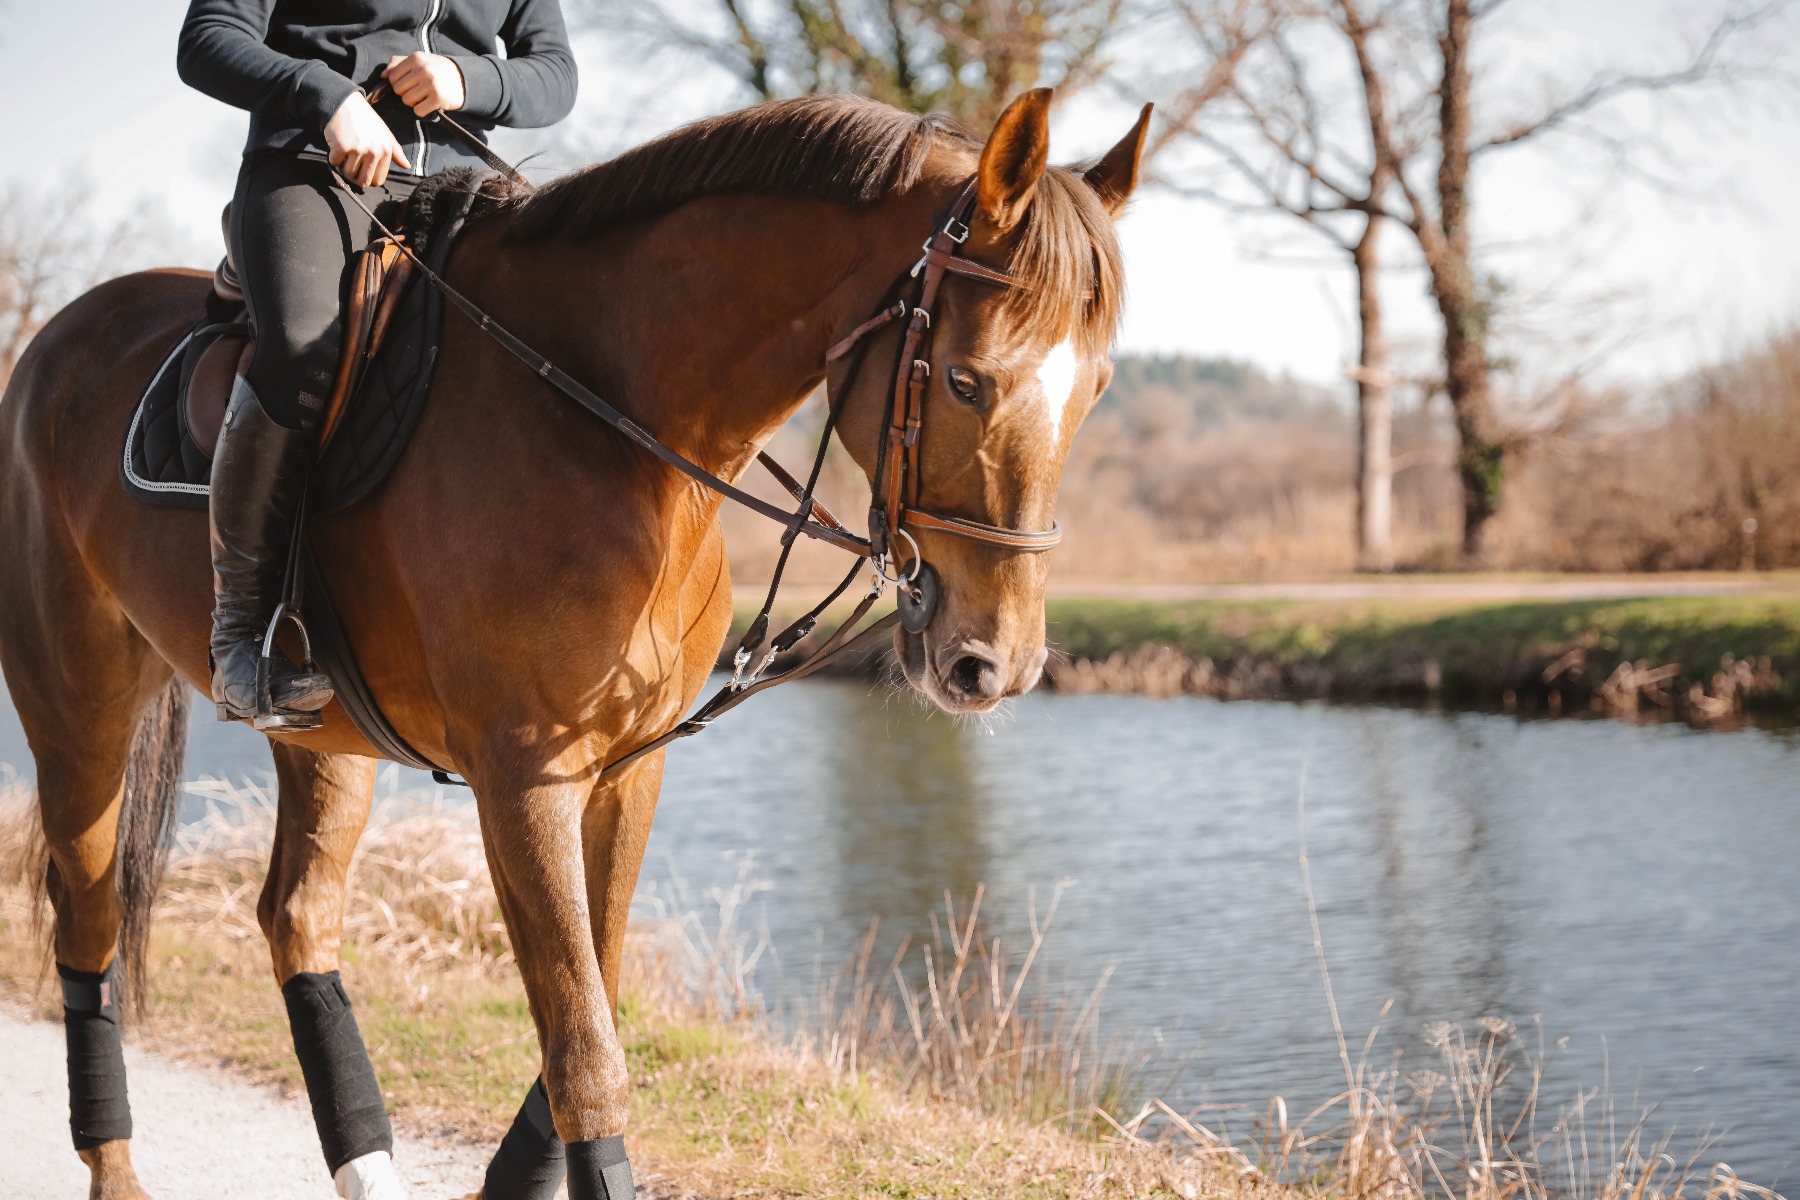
[846, 150]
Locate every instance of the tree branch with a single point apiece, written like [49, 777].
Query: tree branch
[1610, 85]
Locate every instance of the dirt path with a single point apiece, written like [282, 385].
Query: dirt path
[201, 1133]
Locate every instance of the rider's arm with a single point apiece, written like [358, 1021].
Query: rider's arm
[534, 85]
[222, 54]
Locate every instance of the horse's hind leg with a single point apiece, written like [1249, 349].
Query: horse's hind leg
[323, 806]
[106, 726]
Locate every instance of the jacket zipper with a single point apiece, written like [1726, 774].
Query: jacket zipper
[433, 10]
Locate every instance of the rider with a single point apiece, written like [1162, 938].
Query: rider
[305, 69]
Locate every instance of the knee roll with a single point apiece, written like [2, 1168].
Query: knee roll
[98, 1109]
[340, 1080]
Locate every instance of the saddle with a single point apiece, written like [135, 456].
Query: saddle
[390, 338]
[391, 328]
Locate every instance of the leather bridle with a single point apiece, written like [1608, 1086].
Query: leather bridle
[897, 474]
[896, 485]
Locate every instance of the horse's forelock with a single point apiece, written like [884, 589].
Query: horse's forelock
[1067, 257]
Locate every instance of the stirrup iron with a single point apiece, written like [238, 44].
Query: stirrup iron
[268, 717]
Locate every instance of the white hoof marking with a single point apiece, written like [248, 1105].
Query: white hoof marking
[370, 1177]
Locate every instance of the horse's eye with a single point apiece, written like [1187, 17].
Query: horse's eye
[965, 383]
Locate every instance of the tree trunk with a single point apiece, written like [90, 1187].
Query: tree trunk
[1480, 459]
[1375, 459]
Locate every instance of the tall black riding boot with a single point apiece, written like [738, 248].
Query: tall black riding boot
[258, 478]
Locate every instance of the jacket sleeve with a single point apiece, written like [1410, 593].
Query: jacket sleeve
[222, 54]
[534, 85]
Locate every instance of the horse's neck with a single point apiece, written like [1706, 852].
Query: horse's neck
[709, 325]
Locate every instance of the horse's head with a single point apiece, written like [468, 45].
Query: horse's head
[1013, 372]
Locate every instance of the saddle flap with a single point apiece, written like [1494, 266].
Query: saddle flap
[209, 388]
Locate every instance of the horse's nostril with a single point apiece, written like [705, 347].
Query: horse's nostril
[975, 676]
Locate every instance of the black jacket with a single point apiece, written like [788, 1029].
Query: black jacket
[292, 62]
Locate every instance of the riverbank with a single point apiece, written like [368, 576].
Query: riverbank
[1705, 650]
[965, 1082]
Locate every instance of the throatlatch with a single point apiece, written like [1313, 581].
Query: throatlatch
[531, 1161]
[340, 1080]
[98, 1109]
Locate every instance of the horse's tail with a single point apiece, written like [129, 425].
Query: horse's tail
[146, 828]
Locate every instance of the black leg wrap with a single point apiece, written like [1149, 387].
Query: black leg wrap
[530, 1163]
[98, 1110]
[598, 1170]
[340, 1079]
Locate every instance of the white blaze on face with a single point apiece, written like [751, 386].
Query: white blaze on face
[1056, 376]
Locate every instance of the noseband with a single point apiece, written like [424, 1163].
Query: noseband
[895, 510]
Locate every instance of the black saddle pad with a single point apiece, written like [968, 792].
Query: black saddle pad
[162, 464]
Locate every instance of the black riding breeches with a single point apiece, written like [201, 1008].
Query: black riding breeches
[293, 233]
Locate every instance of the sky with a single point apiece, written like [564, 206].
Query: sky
[94, 107]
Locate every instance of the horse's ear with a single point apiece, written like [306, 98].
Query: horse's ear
[1014, 158]
[1115, 176]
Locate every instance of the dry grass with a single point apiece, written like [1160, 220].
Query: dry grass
[944, 1072]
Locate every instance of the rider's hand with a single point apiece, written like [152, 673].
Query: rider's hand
[361, 144]
[426, 82]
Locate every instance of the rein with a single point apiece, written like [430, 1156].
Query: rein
[895, 487]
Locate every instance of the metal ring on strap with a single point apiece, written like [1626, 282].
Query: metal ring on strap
[879, 563]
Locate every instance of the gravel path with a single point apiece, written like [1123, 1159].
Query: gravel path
[201, 1133]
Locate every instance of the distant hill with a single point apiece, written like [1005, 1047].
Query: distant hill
[1212, 391]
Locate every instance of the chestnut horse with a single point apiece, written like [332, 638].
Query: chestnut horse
[531, 594]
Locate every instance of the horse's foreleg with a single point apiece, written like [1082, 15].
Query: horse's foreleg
[323, 806]
[535, 838]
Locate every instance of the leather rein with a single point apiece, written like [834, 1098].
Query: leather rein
[896, 485]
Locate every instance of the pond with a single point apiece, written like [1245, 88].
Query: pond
[1634, 890]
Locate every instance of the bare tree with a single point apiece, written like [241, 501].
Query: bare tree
[1272, 142]
[967, 59]
[1410, 161]
[1439, 213]
[50, 250]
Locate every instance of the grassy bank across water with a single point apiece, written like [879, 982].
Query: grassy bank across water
[1703, 658]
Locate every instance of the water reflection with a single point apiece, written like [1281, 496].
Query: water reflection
[1439, 928]
[904, 812]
